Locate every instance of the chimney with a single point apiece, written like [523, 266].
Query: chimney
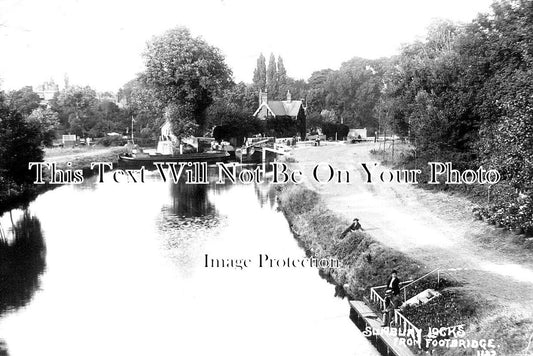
[263, 97]
[288, 96]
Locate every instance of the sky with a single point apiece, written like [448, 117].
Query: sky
[100, 42]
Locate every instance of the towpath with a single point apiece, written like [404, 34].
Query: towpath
[435, 228]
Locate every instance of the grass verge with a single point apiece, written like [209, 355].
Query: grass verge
[366, 263]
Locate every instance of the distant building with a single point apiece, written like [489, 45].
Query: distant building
[293, 109]
[357, 134]
[69, 140]
[46, 91]
[108, 96]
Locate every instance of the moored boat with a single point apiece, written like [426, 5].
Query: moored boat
[166, 151]
[148, 160]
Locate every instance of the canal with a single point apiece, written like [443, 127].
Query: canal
[119, 269]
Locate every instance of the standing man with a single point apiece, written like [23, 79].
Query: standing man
[388, 312]
[393, 284]
[353, 227]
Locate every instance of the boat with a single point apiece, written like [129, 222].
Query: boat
[165, 152]
[148, 160]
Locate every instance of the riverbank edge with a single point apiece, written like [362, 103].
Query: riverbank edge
[30, 192]
[366, 262]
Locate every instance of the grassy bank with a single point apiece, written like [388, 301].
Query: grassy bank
[82, 158]
[79, 158]
[366, 262]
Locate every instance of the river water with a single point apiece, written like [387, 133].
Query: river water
[119, 269]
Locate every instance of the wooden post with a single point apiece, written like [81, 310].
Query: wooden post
[132, 141]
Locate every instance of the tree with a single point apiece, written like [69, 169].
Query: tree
[282, 79]
[19, 144]
[231, 114]
[141, 102]
[24, 100]
[297, 88]
[76, 107]
[47, 121]
[259, 79]
[271, 77]
[178, 115]
[186, 72]
[317, 93]
[351, 93]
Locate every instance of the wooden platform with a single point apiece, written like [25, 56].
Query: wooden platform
[385, 343]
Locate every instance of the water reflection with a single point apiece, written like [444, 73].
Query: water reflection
[265, 193]
[125, 275]
[22, 261]
[3, 349]
[189, 200]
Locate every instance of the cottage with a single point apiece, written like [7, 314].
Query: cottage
[292, 109]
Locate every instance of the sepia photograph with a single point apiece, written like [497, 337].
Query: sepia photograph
[250, 177]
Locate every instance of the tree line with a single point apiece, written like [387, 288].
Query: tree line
[463, 93]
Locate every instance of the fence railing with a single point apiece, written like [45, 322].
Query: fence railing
[401, 322]
[376, 298]
[439, 272]
[407, 328]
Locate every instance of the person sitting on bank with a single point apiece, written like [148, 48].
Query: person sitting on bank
[353, 227]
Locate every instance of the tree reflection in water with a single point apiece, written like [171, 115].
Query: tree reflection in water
[192, 200]
[3, 349]
[265, 193]
[22, 261]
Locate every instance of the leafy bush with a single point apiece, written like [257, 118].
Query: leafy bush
[19, 144]
[114, 140]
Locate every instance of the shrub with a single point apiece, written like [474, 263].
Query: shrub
[114, 140]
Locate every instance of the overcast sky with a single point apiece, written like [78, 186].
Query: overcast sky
[99, 42]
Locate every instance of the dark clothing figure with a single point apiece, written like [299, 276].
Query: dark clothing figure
[353, 227]
[388, 312]
[393, 283]
[392, 297]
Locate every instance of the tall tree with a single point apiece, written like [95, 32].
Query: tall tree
[282, 79]
[187, 72]
[259, 79]
[271, 77]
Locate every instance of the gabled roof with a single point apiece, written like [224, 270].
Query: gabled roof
[281, 108]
